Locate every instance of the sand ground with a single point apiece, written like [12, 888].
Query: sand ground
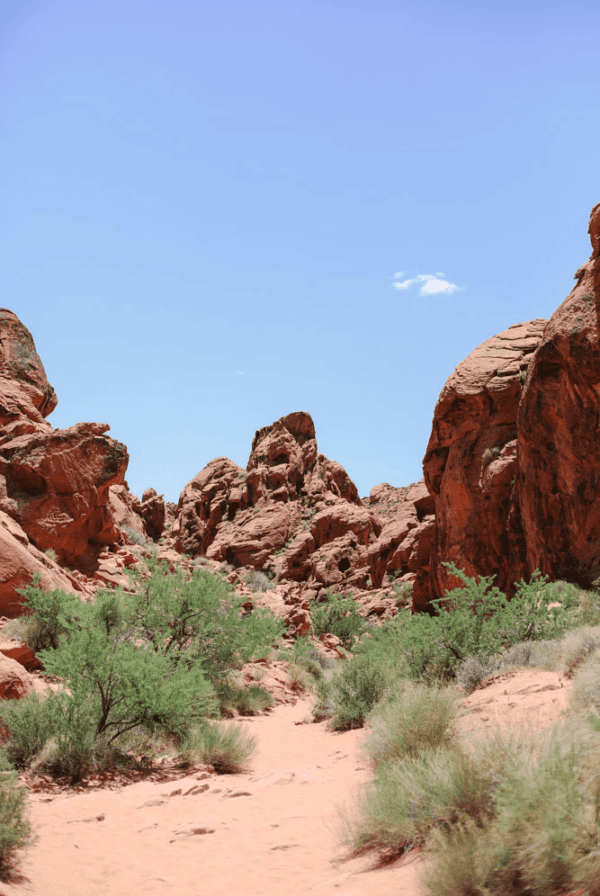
[270, 831]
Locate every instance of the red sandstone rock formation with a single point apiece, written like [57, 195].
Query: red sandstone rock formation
[54, 484]
[20, 560]
[292, 509]
[25, 393]
[471, 461]
[404, 545]
[555, 510]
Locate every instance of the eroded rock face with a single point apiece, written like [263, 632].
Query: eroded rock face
[153, 512]
[53, 483]
[57, 485]
[25, 392]
[555, 512]
[471, 460]
[291, 508]
[401, 546]
[19, 562]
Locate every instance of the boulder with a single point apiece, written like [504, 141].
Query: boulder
[406, 513]
[21, 652]
[57, 485]
[125, 509]
[15, 681]
[25, 393]
[204, 504]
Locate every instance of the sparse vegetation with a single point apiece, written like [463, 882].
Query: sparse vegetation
[135, 537]
[226, 747]
[155, 659]
[337, 615]
[256, 580]
[15, 830]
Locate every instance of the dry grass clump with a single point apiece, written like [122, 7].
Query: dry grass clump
[542, 836]
[410, 721]
[577, 645]
[226, 747]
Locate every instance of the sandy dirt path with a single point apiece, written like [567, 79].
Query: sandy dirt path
[272, 831]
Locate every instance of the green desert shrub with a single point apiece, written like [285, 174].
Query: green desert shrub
[351, 692]
[135, 537]
[403, 592]
[408, 799]
[301, 652]
[414, 718]
[473, 670]
[15, 830]
[474, 620]
[300, 678]
[49, 615]
[339, 616]
[542, 836]
[198, 620]
[30, 722]
[248, 700]
[226, 747]
[536, 654]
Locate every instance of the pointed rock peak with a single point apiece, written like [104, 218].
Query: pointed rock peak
[594, 228]
[299, 424]
[25, 389]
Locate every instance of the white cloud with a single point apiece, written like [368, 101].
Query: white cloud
[397, 275]
[240, 372]
[432, 284]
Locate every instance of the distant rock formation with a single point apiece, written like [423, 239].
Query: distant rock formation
[291, 508]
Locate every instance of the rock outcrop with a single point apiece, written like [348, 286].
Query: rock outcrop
[291, 509]
[54, 484]
[471, 460]
[554, 521]
[513, 461]
[404, 544]
[25, 393]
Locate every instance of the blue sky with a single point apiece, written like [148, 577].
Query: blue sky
[216, 213]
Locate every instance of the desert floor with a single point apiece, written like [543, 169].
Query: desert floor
[270, 831]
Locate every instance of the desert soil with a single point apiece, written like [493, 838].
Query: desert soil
[272, 830]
